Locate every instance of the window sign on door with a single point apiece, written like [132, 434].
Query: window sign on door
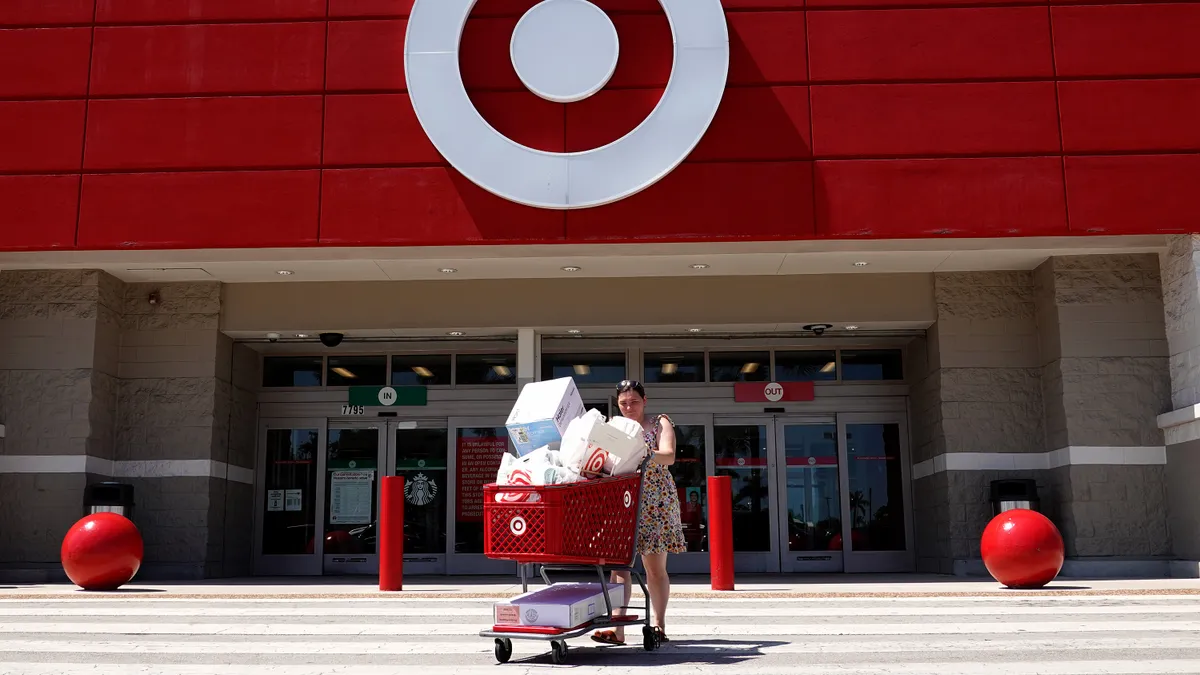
[421, 460]
[352, 457]
[485, 446]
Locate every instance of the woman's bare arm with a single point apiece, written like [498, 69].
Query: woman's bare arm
[665, 454]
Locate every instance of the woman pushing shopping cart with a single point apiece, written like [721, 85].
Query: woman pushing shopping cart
[598, 526]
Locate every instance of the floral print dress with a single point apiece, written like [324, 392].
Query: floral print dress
[660, 529]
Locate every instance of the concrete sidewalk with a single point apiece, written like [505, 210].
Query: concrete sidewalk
[683, 586]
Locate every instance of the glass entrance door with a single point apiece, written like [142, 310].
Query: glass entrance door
[476, 449]
[355, 459]
[810, 495]
[288, 496]
[418, 451]
[742, 450]
[878, 528]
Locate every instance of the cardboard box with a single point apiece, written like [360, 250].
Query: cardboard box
[541, 414]
[567, 605]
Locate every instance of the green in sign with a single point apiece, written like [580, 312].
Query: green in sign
[387, 396]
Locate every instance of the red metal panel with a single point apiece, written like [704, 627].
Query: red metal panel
[41, 135]
[426, 206]
[209, 59]
[607, 116]
[1133, 193]
[39, 212]
[366, 56]
[768, 123]
[44, 62]
[484, 56]
[371, 8]
[182, 11]
[199, 209]
[1135, 39]
[753, 124]
[525, 118]
[375, 129]
[900, 4]
[248, 131]
[1130, 115]
[767, 48]
[699, 201]
[930, 44]
[45, 12]
[884, 199]
[896, 120]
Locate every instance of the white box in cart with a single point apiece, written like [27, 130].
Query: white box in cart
[568, 605]
[542, 412]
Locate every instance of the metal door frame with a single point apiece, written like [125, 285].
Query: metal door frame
[422, 564]
[758, 562]
[880, 561]
[694, 563]
[805, 561]
[368, 563]
[466, 563]
[305, 564]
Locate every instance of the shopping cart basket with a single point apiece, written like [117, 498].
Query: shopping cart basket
[576, 527]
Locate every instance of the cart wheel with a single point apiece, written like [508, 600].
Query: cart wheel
[649, 639]
[558, 652]
[503, 650]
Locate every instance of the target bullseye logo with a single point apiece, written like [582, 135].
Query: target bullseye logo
[518, 526]
[565, 51]
[595, 462]
[628, 499]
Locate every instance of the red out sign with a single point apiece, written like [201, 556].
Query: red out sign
[773, 392]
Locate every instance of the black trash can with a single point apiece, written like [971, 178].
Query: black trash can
[109, 497]
[1014, 493]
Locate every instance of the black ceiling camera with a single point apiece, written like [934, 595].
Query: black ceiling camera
[818, 329]
[331, 339]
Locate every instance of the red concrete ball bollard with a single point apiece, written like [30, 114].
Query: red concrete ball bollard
[102, 552]
[1022, 549]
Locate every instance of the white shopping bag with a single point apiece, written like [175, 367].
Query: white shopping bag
[627, 455]
[593, 447]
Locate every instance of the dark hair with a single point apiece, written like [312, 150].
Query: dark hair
[631, 385]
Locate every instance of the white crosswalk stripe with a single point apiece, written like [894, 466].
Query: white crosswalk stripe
[967, 635]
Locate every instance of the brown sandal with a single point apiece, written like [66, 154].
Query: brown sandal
[607, 637]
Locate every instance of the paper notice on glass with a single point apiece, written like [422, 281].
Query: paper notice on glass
[293, 500]
[350, 497]
[274, 500]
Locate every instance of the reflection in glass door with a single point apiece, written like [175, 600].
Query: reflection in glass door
[353, 460]
[287, 495]
[690, 472]
[877, 499]
[741, 450]
[811, 532]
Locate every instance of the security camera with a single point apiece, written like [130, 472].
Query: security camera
[818, 329]
[273, 337]
[331, 339]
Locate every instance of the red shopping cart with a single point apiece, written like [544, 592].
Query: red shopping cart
[577, 527]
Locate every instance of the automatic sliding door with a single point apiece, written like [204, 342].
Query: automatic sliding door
[287, 497]
[877, 500]
[353, 462]
[742, 450]
[476, 448]
[811, 526]
[419, 454]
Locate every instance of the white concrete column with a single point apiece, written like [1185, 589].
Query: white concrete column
[529, 356]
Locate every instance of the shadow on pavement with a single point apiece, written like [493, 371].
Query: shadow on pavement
[122, 590]
[673, 653]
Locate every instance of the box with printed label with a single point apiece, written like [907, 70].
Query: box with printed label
[558, 605]
[541, 414]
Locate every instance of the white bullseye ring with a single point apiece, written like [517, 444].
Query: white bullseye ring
[566, 180]
[565, 50]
